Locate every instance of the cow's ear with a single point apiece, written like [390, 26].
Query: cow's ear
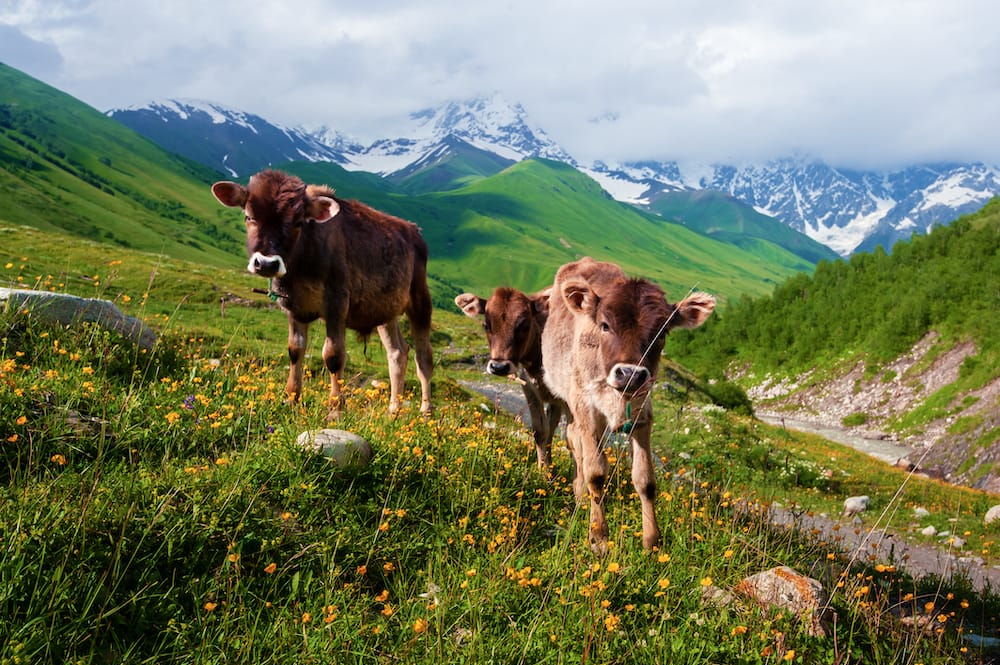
[692, 311]
[540, 303]
[322, 208]
[471, 304]
[230, 194]
[578, 296]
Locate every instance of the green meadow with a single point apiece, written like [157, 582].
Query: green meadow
[155, 508]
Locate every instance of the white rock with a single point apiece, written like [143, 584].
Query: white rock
[855, 504]
[992, 515]
[929, 531]
[920, 512]
[341, 447]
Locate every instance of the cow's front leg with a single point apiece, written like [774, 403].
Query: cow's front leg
[595, 477]
[334, 357]
[395, 350]
[539, 422]
[644, 481]
[298, 335]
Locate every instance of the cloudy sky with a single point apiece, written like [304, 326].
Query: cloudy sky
[858, 83]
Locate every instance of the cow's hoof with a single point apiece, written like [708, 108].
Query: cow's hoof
[599, 547]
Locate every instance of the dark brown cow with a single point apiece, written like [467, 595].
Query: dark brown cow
[602, 345]
[341, 261]
[513, 322]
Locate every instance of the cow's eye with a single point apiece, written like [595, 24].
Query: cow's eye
[250, 221]
[486, 326]
[605, 327]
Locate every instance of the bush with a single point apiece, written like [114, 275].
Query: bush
[731, 397]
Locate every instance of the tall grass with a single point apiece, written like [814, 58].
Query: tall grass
[154, 508]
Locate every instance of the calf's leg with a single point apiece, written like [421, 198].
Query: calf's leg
[425, 363]
[539, 422]
[334, 357]
[298, 335]
[644, 481]
[592, 477]
[395, 350]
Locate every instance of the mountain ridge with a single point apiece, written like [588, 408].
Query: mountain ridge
[845, 209]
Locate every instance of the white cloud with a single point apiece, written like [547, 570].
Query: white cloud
[851, 81]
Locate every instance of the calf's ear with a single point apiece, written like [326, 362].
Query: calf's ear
[322, 208]
[692, 311]
[230, 194]
[540, 303]
[578, 296]
[471, 304]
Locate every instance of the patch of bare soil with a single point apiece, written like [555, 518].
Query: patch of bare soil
[945, 447]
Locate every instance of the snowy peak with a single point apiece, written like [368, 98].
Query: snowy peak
[232, 141]
[486, 123]
[847, 210]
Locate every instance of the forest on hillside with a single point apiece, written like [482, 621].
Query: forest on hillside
[874, 304]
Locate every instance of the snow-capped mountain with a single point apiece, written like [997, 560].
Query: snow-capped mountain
[844, 209]
[232, 141]
[847, 210]
[488, 124]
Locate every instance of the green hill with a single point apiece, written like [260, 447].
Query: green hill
[64, 165]
[722, 217]
[879, 304]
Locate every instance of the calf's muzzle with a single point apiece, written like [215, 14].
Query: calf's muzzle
[627, 378]
[499, 367]
[266, 266]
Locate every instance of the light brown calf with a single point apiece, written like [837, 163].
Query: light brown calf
[602, 345]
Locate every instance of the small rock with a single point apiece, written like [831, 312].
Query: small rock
[855, 504]
[992, 515]
[341, 447]
[785, 588]
[929, 531]
[920, 512]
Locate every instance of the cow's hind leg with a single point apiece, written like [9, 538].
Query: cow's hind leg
[298, 336]
[395, 350]
[424, 355]
[419, 314]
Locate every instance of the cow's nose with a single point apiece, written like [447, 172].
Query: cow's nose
[628, 378]
[266, 266]
[499, 367]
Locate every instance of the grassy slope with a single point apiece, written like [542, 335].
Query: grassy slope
[186, 527]
[64, 165]
[720, 216]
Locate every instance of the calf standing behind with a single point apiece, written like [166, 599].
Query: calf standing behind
[513, 322]
[341, 261]
[602, 345]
